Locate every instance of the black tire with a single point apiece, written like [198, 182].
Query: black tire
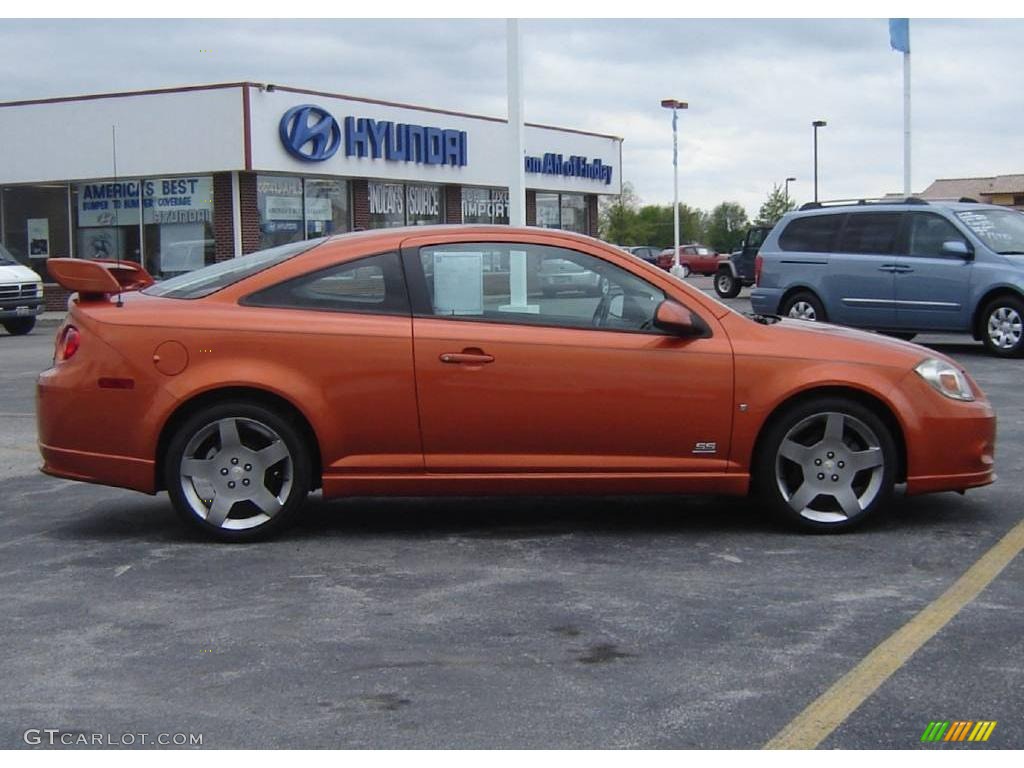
[1001, 326]
[807, 298]
[727, 286]
[286, 480]
[824, 506]
[19, 326]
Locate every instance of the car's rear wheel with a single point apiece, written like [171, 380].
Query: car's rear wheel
[804, 306]
[1003, 326]
[19, 326]
[727, 286]
[237, 471]
[827, 464]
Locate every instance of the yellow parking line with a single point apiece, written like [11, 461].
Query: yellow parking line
[823, 715]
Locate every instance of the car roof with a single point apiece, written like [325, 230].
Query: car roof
[813, 209]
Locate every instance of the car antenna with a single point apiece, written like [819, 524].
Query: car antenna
[117, 229]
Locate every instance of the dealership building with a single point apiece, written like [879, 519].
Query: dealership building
[181, 177]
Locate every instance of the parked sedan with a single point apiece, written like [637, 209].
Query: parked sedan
[694, 257]
[383, 363]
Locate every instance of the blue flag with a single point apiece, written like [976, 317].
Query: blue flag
[899, 34]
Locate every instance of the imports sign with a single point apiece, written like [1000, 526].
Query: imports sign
[163, 201]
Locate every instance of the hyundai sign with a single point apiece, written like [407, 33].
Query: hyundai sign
[309, 132]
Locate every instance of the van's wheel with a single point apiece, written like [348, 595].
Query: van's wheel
[804, 306]
[727, 286]
[826, 465]
[237, 471]
[19, 326]
[1002, 327]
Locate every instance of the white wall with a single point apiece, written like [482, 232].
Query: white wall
[157, 135]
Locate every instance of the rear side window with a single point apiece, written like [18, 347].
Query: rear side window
[373, 285]
[814, 234]
[869, 233]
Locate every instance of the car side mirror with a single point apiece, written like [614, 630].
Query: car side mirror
[677, 319]
[957, 248]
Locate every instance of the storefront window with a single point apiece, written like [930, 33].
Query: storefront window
[423, 204]
[574, 213]
[484, 206]
[547, 210]
[178, 224]
[395, 205]
[279, 199]
[563, 212]
[35, 222]
[327, 207]
[107, 220]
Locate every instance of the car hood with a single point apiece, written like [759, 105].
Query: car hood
[16, 273]
[811, 341]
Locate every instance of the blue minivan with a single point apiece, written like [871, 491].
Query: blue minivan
[900, 268]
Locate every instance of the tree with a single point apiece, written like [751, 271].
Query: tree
[617, 215]
[778, 204]
[726, 226]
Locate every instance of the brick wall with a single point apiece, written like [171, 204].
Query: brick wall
[360, 204]
[250, 211]
[223, 218]
[55, 298]
[452, 204]
[531, 208]
[592, 215]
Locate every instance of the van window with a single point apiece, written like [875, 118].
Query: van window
[927, 234]
[869, 233]
[811, 233]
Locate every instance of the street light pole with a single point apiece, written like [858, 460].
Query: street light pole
[789, 179]
[817, 124]
[675, 105]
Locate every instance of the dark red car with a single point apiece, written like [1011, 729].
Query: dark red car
[694, 257]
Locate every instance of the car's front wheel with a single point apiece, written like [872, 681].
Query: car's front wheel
[1003, 326]
[727, 286]
[19, 326]
[826, 465]
[237, 471]
[804, 306]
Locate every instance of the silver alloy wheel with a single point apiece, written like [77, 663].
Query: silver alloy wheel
[829, 467]
[802, 310]
[1005, 328]
[236, 465]
[724, 283]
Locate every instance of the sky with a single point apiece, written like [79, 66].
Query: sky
[754, 87]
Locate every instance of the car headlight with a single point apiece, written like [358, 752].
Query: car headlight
[945, 379]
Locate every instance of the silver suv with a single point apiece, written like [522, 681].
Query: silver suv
[901, 268]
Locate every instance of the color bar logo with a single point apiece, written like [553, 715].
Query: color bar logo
[958, 730]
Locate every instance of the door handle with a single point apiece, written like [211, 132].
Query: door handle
[467, 357]
[888, 268]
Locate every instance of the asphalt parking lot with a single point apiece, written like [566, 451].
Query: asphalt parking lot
[630, 622]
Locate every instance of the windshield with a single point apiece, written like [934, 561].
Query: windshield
[1002, 230]
[203, 282]
[6, 260]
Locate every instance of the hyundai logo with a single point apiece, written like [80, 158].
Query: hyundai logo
[310, 133]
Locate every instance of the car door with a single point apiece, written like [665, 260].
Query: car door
[509, 380]
[932, 284]
[862, 270]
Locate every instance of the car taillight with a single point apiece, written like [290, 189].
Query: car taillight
[758, 263]
[69, 343]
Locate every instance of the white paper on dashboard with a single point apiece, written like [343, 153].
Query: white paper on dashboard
[458, 283]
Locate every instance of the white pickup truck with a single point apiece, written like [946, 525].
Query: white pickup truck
[21, 295]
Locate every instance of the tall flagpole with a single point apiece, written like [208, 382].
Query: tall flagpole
[906, 124]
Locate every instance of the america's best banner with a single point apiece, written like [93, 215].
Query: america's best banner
[164, 201]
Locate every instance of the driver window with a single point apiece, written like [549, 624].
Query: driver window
[536, 285]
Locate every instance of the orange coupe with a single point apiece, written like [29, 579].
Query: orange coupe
[429, 360]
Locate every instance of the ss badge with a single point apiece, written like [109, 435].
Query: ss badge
[705, 448]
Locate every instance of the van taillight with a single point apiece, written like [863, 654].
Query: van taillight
[758, 263]
[69, 342]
